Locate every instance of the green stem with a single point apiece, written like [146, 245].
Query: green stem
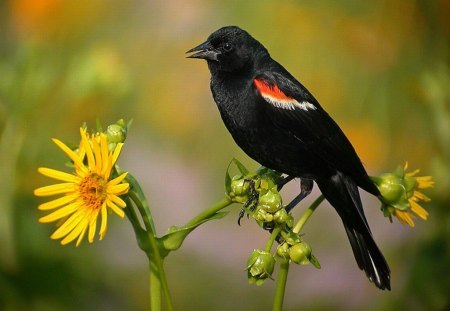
[208, 212]
[272, 238]
[153, 252]
[301, 222]
[281, 285]
[155, 288]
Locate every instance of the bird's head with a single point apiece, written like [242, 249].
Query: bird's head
[229, 49]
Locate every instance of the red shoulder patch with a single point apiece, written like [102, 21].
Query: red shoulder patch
[270, 90]
[274, 96]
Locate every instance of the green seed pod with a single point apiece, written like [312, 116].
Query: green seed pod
[290, 237]
[260, 266]
[391, 187]
[300, 253]
[270, 201]
[239, 189]
[282, 217]
[283, 250]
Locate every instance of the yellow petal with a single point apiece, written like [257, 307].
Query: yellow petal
[60, 213]
[116, 153]
[119, 189]
[57, 203]
[115, 208]
[104, 223]
[88, 149]
[116, 200]
[117, 180]
[419, 210]
[55, 189]
[81, 236]
[421, 196]
[98, 156]
[59, 175]
[404, 217]
[105, 154]
[72, 155]
[93, 227]
[81, 226]
[425, 182]
[68, 226]
[415, 172]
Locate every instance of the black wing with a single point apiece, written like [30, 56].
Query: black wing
[292, 108]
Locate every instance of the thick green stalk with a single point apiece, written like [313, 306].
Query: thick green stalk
[284, 263]
[281, 285]
[151, 245]
[155, 288]
[153, 253]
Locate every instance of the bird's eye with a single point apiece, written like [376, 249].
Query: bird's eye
[227, 47]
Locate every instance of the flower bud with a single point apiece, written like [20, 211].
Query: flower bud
[401, 194]
[300, 253]
[270, 201]
[291, 237]
[282, 217]
[391, 187]
[116, 133]
[283, 250]
[260, 266]
[239, 189]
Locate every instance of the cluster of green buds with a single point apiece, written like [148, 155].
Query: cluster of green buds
[295, 249]
[258, 192]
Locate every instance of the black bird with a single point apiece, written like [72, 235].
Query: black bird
[280, 124]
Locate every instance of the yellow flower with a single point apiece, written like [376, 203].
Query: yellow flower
[401, 196]
[87, 192]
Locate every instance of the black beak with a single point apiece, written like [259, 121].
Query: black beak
[204, 51]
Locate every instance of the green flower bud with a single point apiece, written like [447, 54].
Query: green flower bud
[239, 189]
[410, 185]
[260, 266]
[282, 217]
[270, 201]
[283, 250]
[391, 187]
[290, 237]
[260, 215]
[116, 133]
[300, 253]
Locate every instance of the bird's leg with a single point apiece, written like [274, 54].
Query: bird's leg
[306, 186]
[251, 202]
[283, 182]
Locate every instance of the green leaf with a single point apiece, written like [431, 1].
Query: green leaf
[313, 260]
[242, 169]
[227, 181]
[176, 235]
[98, 124]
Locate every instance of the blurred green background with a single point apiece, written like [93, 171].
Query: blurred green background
[380, 68]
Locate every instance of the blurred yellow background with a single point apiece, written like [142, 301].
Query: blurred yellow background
[380, 68]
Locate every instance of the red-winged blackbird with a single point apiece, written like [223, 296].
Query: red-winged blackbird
[278, 123]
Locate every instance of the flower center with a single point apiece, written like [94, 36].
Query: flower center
[93, 191]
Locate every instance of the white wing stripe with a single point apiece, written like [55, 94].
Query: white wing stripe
[288, 104]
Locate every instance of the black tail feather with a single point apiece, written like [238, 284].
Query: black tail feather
[343, 195]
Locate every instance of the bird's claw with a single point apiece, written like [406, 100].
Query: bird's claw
[252, 201]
